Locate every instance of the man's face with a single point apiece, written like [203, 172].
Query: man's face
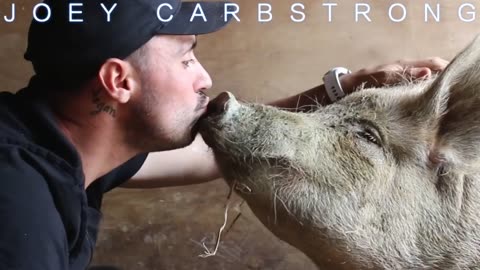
[171, 98]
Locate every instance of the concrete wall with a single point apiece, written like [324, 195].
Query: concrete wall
[164, 228]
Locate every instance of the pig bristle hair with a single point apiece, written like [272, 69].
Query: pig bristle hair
[351, 204]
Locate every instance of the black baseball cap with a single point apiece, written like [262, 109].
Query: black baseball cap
[64, 50]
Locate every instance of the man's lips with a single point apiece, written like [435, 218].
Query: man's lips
[203, 113]
[203, 102]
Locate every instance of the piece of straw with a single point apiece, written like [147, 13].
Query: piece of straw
[207, 252]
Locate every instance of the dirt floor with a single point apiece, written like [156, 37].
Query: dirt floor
[165, 228]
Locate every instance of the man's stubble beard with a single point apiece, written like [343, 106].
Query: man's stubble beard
[144, 132]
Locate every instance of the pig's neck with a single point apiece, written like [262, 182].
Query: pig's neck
[325, 253]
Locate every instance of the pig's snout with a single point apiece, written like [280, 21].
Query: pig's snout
[221, 104]
[219, 115]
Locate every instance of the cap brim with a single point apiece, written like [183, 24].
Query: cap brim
[213, 20]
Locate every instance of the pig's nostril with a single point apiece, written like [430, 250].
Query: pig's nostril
[212, 108]
[217, 105]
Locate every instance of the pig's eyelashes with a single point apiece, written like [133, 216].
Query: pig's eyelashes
[370, 135]
[367, 130]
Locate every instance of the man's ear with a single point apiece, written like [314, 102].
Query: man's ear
[118, 79]
[454, 100]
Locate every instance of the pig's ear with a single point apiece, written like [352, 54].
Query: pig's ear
[461, 74]
[455, 99]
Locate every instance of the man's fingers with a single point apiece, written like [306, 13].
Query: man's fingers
[435, 64]
[401, 71]
[397, 75]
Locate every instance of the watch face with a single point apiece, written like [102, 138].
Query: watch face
[338, 71]
[342, 71]
[326, 73]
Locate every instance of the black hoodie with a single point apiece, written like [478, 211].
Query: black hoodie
[47, 219]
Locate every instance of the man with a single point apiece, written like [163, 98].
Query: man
[104, 94]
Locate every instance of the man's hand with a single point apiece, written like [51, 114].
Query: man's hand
[389, 74]
[377, 76]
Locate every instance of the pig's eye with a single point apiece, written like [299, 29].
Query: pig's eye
[369, 135]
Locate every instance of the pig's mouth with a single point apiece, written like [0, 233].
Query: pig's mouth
[206, 127]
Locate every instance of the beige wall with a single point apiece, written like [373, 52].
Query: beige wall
[161, 229]
[279, 58]
[14, 71]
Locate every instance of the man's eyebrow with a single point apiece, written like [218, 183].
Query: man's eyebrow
[194, 44]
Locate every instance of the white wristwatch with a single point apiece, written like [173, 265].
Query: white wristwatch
[332, 84]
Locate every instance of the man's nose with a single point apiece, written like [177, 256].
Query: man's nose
[204, 80]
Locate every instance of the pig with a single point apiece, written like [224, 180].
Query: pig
[382, 179]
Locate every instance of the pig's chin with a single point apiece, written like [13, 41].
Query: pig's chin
[209, 128]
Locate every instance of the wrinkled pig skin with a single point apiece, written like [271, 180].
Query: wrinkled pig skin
[382, 179]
